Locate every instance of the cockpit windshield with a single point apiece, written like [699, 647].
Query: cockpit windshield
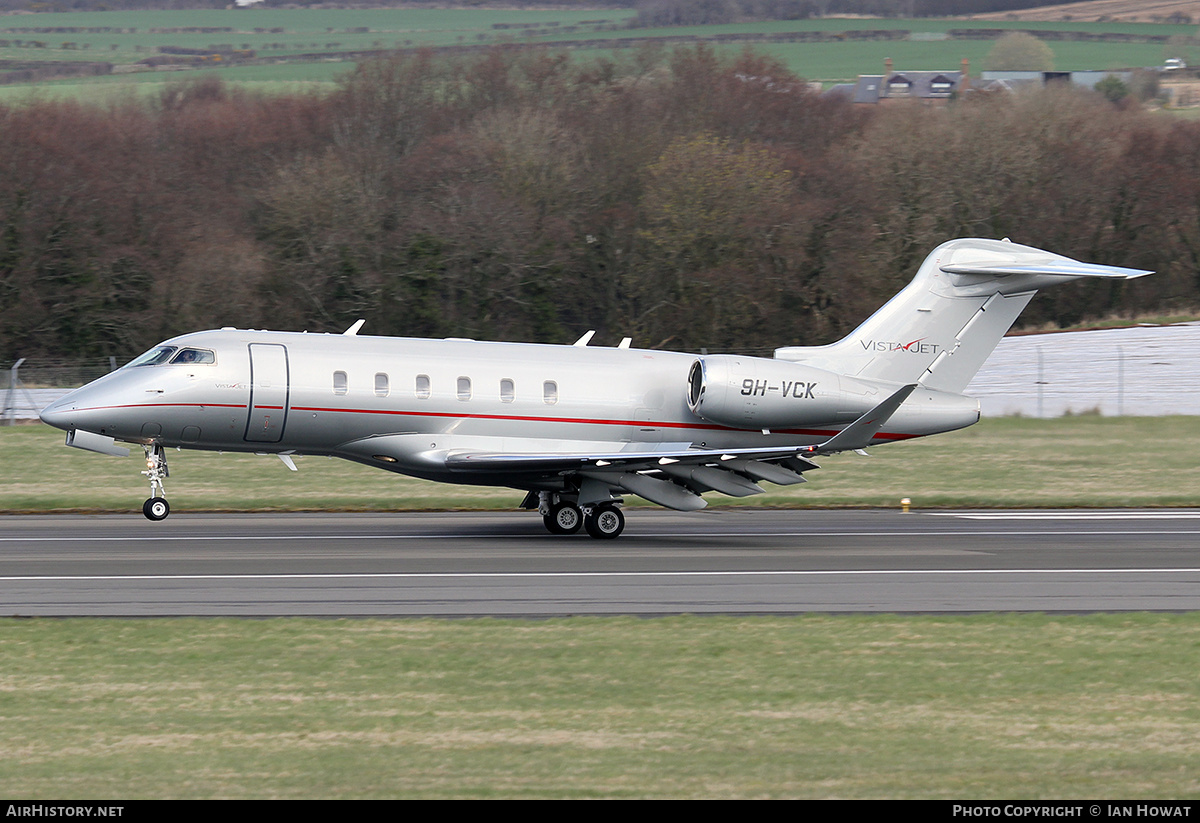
[194, 356]
[174, 355]
[157, 355]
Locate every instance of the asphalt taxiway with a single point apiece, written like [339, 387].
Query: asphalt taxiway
[718, 561]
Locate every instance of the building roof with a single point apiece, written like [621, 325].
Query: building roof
[871, 88]
[1087, 79]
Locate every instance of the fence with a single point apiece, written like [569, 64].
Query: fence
[1141, 371]
[30, 386]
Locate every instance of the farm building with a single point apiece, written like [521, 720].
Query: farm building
[891, 86]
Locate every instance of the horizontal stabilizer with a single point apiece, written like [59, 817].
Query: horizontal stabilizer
[1066, 268]
[858, 434]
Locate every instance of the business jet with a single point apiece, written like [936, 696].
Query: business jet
[576, 427]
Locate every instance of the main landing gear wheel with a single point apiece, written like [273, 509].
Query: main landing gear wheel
[156, 508]
[564, 518]
[605, 522]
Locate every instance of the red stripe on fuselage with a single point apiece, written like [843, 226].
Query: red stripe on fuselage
[597, 421]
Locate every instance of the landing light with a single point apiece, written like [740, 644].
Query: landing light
[385, 458]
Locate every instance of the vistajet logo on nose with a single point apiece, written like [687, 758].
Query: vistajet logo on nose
[918, 346]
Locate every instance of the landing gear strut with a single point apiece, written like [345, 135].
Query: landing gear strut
[157, 507]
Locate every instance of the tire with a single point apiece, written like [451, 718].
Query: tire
[564, 518]
[156, 508]
[605, 523]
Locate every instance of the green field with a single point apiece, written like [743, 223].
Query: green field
[280, 34]
[1070, 461]
[984, 707]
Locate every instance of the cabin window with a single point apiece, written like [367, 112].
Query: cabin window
[464, 388]
[550, 392]
[507, 390]
[381, 385]
[423, 386]
[340, 383]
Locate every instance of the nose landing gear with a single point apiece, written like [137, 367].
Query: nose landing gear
[157, 507]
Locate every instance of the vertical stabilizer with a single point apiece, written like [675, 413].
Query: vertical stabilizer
[940, 329]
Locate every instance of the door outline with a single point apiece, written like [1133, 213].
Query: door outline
[270, 389]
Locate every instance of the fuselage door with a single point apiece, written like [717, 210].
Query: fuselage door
[268, 393]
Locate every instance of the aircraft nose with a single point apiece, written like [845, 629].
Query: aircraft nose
[57, 414]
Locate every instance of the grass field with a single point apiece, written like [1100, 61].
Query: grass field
[1017, 706]
[283, 33]
[1071, 461]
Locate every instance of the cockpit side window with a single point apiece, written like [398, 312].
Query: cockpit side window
[202, 356]
[154, 357]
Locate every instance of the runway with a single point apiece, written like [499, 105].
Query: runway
[719, 561]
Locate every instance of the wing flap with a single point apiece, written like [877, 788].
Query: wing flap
[662, 492]
[707, 478]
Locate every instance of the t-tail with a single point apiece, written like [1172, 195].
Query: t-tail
[940, 329]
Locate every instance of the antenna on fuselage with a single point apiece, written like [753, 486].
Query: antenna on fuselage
[587, 337]
[353, 330]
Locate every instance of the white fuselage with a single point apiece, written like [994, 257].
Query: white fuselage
[347, 396]
[577, 426]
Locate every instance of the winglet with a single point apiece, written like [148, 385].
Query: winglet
[859, 433]
[353, 330]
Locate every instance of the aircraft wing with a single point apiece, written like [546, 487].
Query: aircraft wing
[673, 478]
[674, 475]
[615, 461]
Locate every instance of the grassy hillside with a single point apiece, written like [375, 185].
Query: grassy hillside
[273, 35]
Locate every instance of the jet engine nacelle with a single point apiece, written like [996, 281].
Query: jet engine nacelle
[756, 393]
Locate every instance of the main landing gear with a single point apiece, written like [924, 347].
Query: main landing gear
[603, 521]
[157, 507]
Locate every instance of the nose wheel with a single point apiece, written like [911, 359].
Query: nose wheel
[157, 507]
